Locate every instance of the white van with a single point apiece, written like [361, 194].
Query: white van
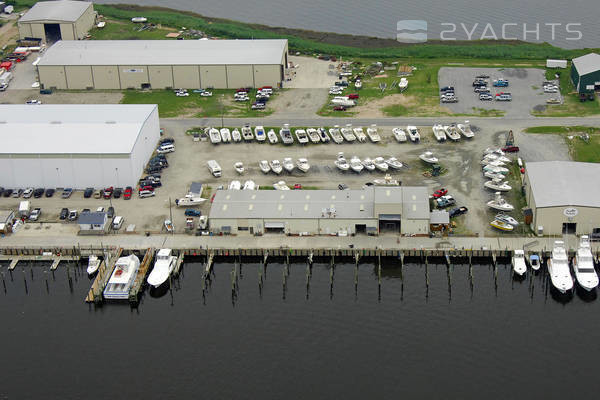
[117, 223]
[214, 168]
[166, 148]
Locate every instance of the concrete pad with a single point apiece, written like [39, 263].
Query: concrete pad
[311, 73]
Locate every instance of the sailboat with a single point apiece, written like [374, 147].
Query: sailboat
[583, 265]
[558, 268]
[163, 267]
[93, 264]
[519, 265]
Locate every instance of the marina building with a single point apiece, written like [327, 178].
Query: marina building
[76, 145]
[370, 211]
[585, 73]
[163, 64]
[57, 20]
[92, 223]
[563, 196]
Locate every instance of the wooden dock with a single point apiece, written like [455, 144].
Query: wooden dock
[178, 264]
[104, 272]
[14, 260]
[141, 276]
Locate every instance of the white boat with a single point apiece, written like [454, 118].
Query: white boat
[493, 150]
[225, 135]
[380, 164]
[247, 134]
[286, 134]
[452, 132]
[495, 170]
[336, 135]
[272, 136]
[341, 162]
[498, 203]
[276, 166]
[534, 261]
[519, 265]
[93, 264]
[239, 167]
[235, 185]
[139, 19]
[501, 225]
[493, 163]
[368, 164]
[347, 134]
[281, 185]
[439, 132]
[428, 158]
[360, 134]
[493, 175]
[301, 136]
[264, 166]
[303, 164]
[215, 135]
[497, 185]
[356, 165]
[399, 135]
[558, 268]
[122, 277]
[413, 134]
[386, 181]
[189, 201]
[259, 133]
[403, 84]
[169, 225]
[323, 135]
[288, 164]
[508, 219]
[373, 134]
[250, 185]
[163, 267]
[496, 157]
[313, 135]
[465, 130]
[393, 163]
[358, 84]
[583, 265]
[236, 135]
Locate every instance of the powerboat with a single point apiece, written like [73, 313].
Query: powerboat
[247, 134]
[373, 134]
[169, 225]
[386, 181]
[356, 164]
[519, 265]
[323, 135]
[493, 175]
[347, 134]
[163, 267]
[494, 150]
[215, 135]
[465, 130]
[236, 135]
[235, 185]
[250, 185]
[495, 170]
[413, 134]
[498, 203]
[303, 164]
[313, 135]
[534, 261]
[281, 185]
[259, 133]
[497, 185]
[272, 136]
[335, 135]
[122, 277]
[368, 164]
[428, 158]
[507, 218]
[558, 268]
[276, 166]
[393, 163]
[341, 162]
[225, 135]
[439, 132]
[360, 134]
[189, 201]
[239, 167]
[301, 136]
[380, 164]
[501, 225]
[493, 163]
[399, 135]
[93, 264]
[452, 132]
[286, 134]
[496, 157]
[264, 166]
[288, 164]
[583, 265]
[358, 84]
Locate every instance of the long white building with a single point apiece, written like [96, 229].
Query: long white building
[78, 146]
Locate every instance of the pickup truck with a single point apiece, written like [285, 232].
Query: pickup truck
[445, 201]
[35, 214]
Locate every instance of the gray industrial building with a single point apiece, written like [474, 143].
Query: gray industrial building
[57, 20]
[163, 64]
[585, 73]
[322, 212]
[564, 196]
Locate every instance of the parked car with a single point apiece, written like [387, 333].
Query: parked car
[258, 106]
[503, 97]
[206, 93]
[100, 209]
[480, 82]
[7, 192]
[39, 192]
[297, 186]
[64, 213]
[481, 89]
[182, 94]
[37, 102]
[190, 212]
[87, 193]
[117, 193]
[166, 148]
[445, 201]
[35, 214]
[127, 193]
[485, 96]
[66, 193]
[166, 140]
[439, 193]
[146, 188]
[455, 212]
[449, 99]
[511, 149]
[28, 193]
[110, 212]
[17, 193]
[353, 96]
[146, 193]
[107, 193]
[447, 89]
[340, 108]
[50, 192]
[501, 83]
[73, 215]
[98, 194]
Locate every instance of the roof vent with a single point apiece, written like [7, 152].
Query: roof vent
[362, 207]
[111, 122]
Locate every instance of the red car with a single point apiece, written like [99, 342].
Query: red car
[439, 193]
[147, 187]
[297, 186]
[107, 194]
[353, 96]
[511, 149]
[127, 193]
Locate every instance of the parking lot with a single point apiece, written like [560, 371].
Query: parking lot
[525, 85]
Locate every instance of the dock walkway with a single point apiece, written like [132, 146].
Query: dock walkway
[104, 271]
[141, 276]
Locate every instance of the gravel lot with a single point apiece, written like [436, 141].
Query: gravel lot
[525, 86]
[311, 73]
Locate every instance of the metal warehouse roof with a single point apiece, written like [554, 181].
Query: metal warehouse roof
[165, 52]
[415, 202]
[60, 10]
[587, 64]
[72, 128]
[564, 183]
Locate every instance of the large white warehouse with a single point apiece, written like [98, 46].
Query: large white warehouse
[76, 145]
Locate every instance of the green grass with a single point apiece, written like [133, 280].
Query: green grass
[563, 129]
[126, 30]
[579, 149]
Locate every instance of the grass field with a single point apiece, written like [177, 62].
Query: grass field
[126, 30]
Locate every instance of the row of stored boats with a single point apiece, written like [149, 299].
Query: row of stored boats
[357, 165]
[494, 168]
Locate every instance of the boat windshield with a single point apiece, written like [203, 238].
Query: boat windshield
[586, 269]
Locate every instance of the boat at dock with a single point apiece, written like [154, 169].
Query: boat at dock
[399, 135]
[518, 261]
[439, 132]
[347, 134]
[122, 278]
[583, 265]
[272, 136]
[413, 134]
[214, 135]
[558, 268]
[286, 134]
[360, 134]
[313, 135]
[335, 134]
[373, 134]
[301, 136]
[247, 134]
[452, 132]
[259, 133]
[93, 264]
[465, 130]
[163, 267]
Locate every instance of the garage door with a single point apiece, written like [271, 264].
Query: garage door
[274, 225]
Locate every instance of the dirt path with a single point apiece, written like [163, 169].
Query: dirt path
[8, 33]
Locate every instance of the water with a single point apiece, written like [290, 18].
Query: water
[380, 18]
[404, 340]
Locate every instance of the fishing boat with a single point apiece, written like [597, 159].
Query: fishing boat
[272, 136]
[341, 162]
[393, 163]
[303, 164]
[368, 164]
[225, 135]
[428, 158]
[497, 185]
[323, 135]
[493, 163]
[189, 201]
[93, 264]
[288, 164]
[452, 132]
[247, 134]
[373, 134]
[301, 136]
[236, 135]
[493, 175]
[235, 185]
[380, 164]
[386, 181]
[239, 167]
[163, 267]
[313, 135]
[281, 185]
[534, 262]
[215, 135]
[286, 134]
[399, 135]
[356, 164]
[558, 268]
[335, 134]
[495, 170]
[250, 185]
[122, 277]
[413, 134]
[583, 265]
[360, 134]
[501, 225]
[496, 157]
[347, 134]
[169, 225]
[439, 132]
[276, 166]
[498, 203]
[259, 133]
[465, 130]
[507, 218]
[264, 166]
[518, 261]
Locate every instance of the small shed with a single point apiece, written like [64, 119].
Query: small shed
[439, 221]
[92, 223]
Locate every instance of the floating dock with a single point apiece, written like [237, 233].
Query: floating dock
[103, 275]
[134, 292]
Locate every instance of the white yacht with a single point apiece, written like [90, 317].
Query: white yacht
[250, 185]
[519, 265]
[439, 132]
[93, 264]
[465, 130]
[276, 166]
[247, 134]
[301, 136]
[360, 134]
[163, 267]
[323, 135]
[272, 136]
[498, 185]
[335, 135]
[583, 265]
[347, 134]
[259, 133]
[493, 163]
[399, 135]
[452, 132]
[380, 164]
[373, 134]
[122, 277]
[286, 134]
[303, 164]
[235, 185]
[368, 164]
[239, 167]
[495, 170]
[428, 158]
[215, 135]
[393, 163]
[313, 135]
[558, 268]
[413, 134]
[496, 157]
[288, 164]
[493, 175]
[498, 203]
[236, 135]
[225, 135]
[356, 164]
[264, 166]
[341, 162]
